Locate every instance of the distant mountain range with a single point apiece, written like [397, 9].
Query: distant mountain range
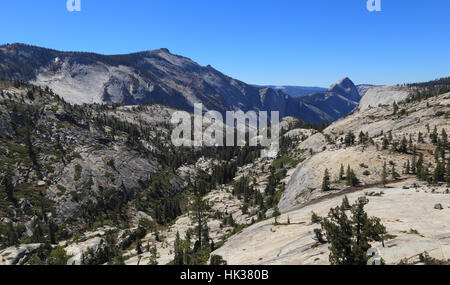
[296, 91]
[158, 76]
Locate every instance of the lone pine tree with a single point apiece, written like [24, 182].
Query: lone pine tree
[350, 237]
[326, 181]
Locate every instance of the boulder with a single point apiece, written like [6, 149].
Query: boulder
[24, 204]
[438, 207]
[18, 255]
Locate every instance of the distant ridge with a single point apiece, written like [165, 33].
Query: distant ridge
[158, 76]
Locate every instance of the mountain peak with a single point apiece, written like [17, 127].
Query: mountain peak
[346, 88]
[164, 50]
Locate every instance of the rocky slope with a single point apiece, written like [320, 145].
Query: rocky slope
[400, 211]
[108, 178]
[68, 164]
[414, 211]
[383, 95]
[330, 150]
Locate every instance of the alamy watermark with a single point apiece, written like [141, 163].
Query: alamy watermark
[374, 5]
[73, 5]
[208, 129]
[374, 256]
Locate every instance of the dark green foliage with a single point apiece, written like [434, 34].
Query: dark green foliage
[349, 138]
[58, 256]
[8, 187]
[108, 252]
[217, 260]
[345, 204]
[350, 237]
[394, 173]
[326, 181]
[422, 91]
[199, 218]
[319, 236]
[395, 107]
[341, 173]
[178, 249]
[403, 148]
[439, 173]
[363, 138]
[448, 173]
[315, 219]
[153, 256]
[351, 178]
[384, 175]
[276, 214]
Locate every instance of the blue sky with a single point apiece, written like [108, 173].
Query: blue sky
[279, 42]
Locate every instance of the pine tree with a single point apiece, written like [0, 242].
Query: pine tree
[315, 219]
[341, 173]
[413, 164]
[178, 249]
[403, 145]
[345, 203]
[420, 138]
[434, 135]
[217, 260]
[349, 139]
[384, 175]
[448, 173]
[326, 181]
[350, 238]
[410, 144]
[395, 107]
[138, 246]
[362, 138]
[199, 218]
[276, 214]
[52, 230]
[153, 256]
[436, 154]
[394, 173]
[439, 173]
[8, 186]
[12, 235]
[319, 236]
[408, 167]
[385, 143]
[444, 137]
[351, 178]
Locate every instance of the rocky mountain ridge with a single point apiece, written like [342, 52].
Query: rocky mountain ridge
[158, 76]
